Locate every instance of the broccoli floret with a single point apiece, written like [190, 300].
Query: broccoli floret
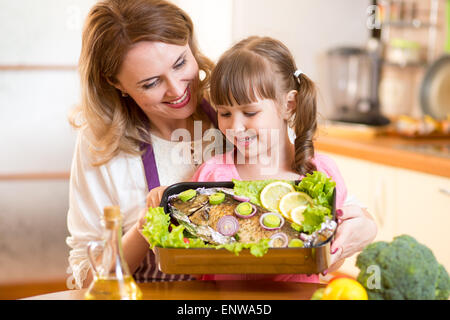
[442, 284]
[406, 270]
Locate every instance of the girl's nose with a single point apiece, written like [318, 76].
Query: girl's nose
[237, 125]
[175, 88]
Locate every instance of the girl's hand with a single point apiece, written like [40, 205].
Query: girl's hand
[355, 231]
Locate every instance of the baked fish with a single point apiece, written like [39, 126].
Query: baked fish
[221, 220]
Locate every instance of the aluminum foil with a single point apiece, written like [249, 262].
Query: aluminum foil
[318, 237]
[205, 233]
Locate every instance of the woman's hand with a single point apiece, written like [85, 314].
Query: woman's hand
[355, 231]
[153, 200]
[154, 196]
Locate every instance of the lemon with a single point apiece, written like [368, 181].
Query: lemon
[272, 193]
[344, 289]
[297, 214]
[292, 201]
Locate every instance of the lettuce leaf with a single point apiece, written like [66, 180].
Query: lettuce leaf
[257, 249]
[319, 187]
[156, 230]
[313, 218]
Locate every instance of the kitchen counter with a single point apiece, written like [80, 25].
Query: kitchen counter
[430, 156]
[209, 290]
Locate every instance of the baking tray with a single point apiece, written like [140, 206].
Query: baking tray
[221, 261]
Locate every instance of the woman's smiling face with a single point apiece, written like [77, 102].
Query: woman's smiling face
[161, 78]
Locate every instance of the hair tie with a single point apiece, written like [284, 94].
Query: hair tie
[297, 73]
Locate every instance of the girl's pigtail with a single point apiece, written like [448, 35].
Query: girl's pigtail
[304, 125]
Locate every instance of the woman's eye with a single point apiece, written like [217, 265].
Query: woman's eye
[225, 115]
[150, 85]
[179, 65]
[250, 114]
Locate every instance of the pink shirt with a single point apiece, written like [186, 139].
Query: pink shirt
[222, 168]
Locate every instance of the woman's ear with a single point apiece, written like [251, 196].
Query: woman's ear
[291, 104]
[116, 85]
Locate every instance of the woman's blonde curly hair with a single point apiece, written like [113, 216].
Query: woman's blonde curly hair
[117, 123]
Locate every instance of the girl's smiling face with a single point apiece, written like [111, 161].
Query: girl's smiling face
[255, 129]
[161, 78]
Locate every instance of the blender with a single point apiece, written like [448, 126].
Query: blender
[354, 80]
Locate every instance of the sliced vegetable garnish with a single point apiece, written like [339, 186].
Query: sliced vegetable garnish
[295, 243]
[241, 198]
[187, 195]
[217, 198]
[228, 225]
[245, 210]
[271, 220]
[279, 240]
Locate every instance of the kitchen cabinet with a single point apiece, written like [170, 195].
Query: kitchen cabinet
[402, 202]
[423, 211]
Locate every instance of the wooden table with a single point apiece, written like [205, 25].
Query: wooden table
[208, 290]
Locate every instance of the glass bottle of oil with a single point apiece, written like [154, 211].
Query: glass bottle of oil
[112, 278]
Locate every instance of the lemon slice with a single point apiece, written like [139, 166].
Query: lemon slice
[297, 214]
[293, 200]
[272, 193]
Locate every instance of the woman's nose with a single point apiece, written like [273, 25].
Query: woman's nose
[175, 88]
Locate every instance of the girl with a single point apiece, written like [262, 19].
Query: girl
[259, 93]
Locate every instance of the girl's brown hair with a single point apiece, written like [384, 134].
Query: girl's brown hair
[117, 123]
[262, 67]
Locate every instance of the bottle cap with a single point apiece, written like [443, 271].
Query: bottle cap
[111, 212]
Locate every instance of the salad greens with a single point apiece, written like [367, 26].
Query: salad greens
[320, 188]
[156, 230]
[257, 249]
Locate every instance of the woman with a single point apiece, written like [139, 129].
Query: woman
[139, 70]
